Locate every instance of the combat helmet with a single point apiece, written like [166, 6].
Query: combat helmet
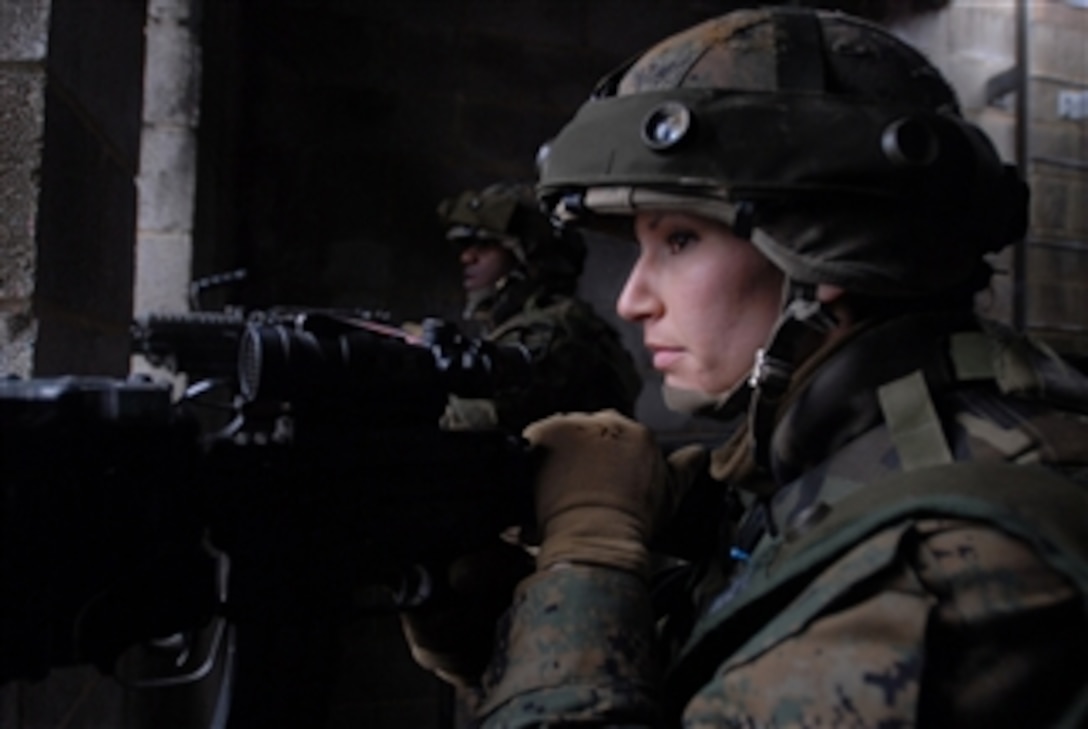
[841, 145]
[838, 149]
[510, 214]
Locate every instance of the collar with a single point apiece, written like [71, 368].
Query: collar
[835, 399]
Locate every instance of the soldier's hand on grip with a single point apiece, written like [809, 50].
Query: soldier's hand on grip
[601, 490]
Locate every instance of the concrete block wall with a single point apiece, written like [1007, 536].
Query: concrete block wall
[24, 26]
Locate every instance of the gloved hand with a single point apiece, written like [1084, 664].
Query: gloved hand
[601, 490]
[452, 634]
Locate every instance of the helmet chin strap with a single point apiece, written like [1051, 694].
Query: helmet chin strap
[791, 342]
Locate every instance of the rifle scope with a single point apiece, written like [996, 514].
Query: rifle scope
[319, 357]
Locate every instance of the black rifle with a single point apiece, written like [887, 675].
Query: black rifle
[305, 451]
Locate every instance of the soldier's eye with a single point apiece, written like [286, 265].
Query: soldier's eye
[680, 239]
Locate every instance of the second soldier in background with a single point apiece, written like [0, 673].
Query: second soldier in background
[520, 274]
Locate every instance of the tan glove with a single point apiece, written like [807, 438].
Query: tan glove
[601, 490]
[453, 634]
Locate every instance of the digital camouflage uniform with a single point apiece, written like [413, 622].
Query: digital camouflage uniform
[578, 360]
[881, 586]
[898, 535]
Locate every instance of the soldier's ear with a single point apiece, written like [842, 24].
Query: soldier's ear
[828, 293]
[836, 300]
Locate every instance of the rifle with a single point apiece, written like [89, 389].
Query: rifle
[304, 452]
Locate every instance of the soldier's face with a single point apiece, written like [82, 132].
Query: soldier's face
[706, 299]
[483, 263]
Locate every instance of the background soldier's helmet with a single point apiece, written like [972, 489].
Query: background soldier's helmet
[838, 147]
[511, 215]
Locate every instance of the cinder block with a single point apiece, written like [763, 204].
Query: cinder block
[178, 12]
[22, 117]
[18, 261]
[163, 269]
[21, 123]
[24, 30]
[167, 179]
[18, 333]
[172, 75]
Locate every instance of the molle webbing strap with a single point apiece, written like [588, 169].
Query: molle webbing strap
[912, 422]
[1011, 363]
[972, 355]
[799, 50]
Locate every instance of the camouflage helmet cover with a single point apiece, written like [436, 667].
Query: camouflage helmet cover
[509, 213]
[845, 143]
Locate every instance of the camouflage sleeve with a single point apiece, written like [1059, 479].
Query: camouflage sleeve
[577, 650]
[964, 630]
